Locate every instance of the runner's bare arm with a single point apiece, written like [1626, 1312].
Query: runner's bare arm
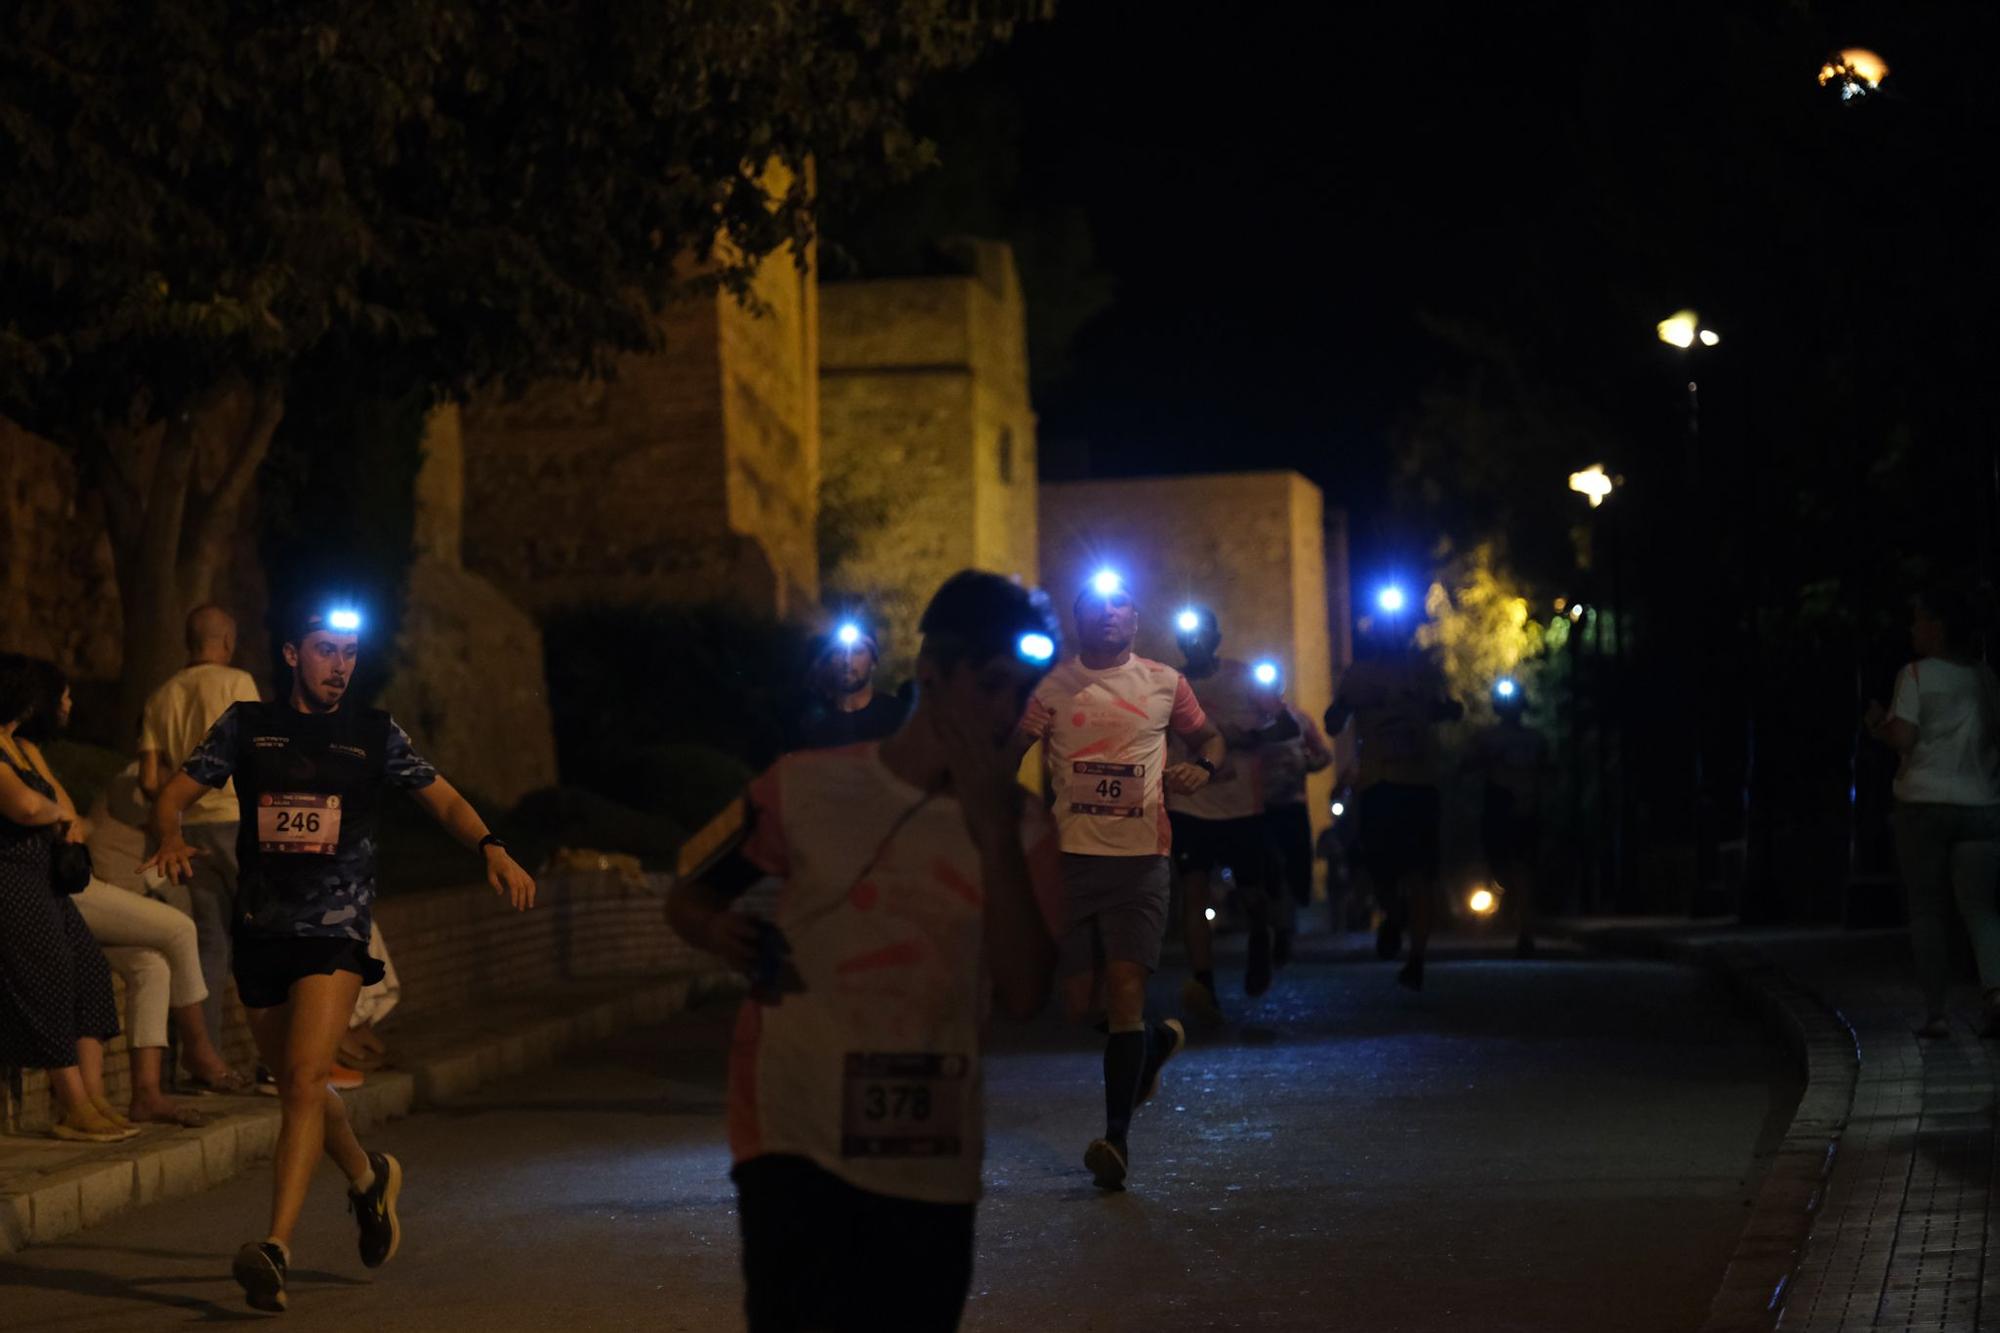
[711, 874]
[1207, 742]
[458, 818]
[174, 859]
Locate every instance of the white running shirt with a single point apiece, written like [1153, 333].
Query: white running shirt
[873, 1071]
[1952, 708]
[1229, 697]
[1106, 733]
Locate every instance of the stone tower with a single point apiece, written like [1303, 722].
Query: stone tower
[927, 434]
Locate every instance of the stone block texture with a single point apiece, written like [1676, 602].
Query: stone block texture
[928, 437]
[692, 475]
[1250, 545]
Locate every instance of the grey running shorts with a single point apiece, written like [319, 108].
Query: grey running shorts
[1117, 911]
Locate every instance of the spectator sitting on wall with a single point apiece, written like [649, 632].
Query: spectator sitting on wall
[843, 706]
[146, 942]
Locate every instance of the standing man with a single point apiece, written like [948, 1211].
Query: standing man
[1104, 716]
[1222, 822]
[1292, 747]
[919, 886]
[310, 778]
[843, 707]
[177, 716]
[1396, 698]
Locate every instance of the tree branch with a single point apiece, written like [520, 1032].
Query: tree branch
[219, 506]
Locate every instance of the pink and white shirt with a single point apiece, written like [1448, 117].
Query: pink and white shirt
[873, 1070]
[1106, 737]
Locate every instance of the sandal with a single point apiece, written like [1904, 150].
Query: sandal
[232, 1084]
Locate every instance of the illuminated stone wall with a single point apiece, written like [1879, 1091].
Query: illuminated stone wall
[928, 436]
[690, 477]
[1250, 545]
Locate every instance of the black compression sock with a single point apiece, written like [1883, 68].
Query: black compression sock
[1124, 1061]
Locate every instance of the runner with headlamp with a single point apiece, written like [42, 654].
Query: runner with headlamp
[844, 707]
[919, 889]
[310, 777]
[1104, 716]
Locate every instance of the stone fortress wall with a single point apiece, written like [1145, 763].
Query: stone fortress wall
[928, 437]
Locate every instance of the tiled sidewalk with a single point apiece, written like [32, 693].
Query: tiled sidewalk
[50, 1189]
[1890, 1227]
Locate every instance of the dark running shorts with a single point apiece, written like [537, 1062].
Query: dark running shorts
[266, 967]
[1400, 828]
[1117, 912]
[1241, 844]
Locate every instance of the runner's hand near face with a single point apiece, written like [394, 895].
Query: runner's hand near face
[981, 777]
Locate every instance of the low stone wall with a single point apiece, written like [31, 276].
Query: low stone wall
[593, 919]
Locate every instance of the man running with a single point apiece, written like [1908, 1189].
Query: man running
[843, 706]
[1396, 698]
[1515, 766]
[310, 778]
[918, 887]
[1222, 823]
[1104, 716]
[1292, 747]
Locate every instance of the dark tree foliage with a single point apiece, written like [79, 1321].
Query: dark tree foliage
[204, 195]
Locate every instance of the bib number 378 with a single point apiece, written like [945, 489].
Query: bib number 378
[298, 823]
[903, 1105]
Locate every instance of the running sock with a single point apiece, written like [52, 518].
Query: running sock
[1124, 1062]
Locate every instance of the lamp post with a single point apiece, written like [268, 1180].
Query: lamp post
[1683, 330]
[1596, 485]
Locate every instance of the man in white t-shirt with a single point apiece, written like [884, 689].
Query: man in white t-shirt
[1103, 717]
[919, 887]
[177, 717]
[1942, 721]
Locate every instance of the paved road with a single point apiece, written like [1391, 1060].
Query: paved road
[1558, 1145]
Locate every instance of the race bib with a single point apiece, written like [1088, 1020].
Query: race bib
[1115, 790]
[903, 1105]
[298, 822]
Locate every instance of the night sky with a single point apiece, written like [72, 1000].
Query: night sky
[1285, 209]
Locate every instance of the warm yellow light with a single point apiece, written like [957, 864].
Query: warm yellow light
[1593, 483]
[1709, 337]
[1679, 329]
[1562, 603]
[1856, 62]
[1482, 902]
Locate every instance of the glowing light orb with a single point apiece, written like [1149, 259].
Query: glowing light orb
[1505, 688]
[1593, 483]
[344, 620]
[848, 635]
[1208, 913]
[1392, 599]
[1265, 673]
[1106, 583]
[1339, 809]
[1036, 647]
[1482, 902]
[1187, 622]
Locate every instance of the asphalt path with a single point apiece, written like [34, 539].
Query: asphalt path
[1562, 1144]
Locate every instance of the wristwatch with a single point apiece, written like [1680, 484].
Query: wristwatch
[491, 840]
[1204, 765]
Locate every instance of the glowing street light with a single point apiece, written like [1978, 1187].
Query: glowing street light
[1392, 599]
[1856, 71]
[1593, 483]
[1506, 688]
[1482, 901]
[1683, 329]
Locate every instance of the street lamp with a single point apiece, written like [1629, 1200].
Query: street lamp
[1683, 329]
[1856, 72]
[1593, 483]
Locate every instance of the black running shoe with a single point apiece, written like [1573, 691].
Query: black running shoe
[1257, 970]
[260, 1270]
[375, 1211]
[1106, 1162]
[1165, 1043]
[1281, 948]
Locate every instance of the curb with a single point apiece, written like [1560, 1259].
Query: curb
[1761, 1269]
[179, 1163]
